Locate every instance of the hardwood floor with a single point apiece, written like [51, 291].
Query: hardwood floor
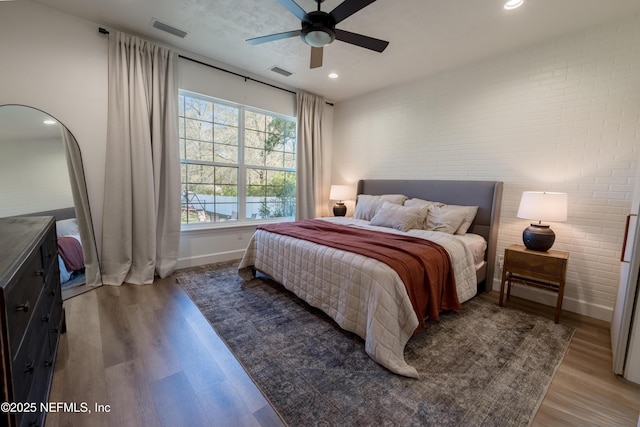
[584, 391]
[148, 353]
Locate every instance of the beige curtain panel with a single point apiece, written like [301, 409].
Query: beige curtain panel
[309, 167]
[141, 223]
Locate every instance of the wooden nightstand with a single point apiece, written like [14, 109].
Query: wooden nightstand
[544, 270]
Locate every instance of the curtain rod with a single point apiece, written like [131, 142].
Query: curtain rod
[104, 31]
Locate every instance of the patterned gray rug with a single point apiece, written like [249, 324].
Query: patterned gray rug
[483, 365]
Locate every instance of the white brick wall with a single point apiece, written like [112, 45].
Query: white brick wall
[560, 116]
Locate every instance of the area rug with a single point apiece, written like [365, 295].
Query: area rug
[481, 366]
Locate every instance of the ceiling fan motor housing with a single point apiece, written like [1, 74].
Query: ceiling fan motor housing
[318, 30]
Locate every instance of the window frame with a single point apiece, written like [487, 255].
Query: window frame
[242, 168]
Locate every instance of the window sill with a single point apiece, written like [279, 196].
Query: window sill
[228, 225]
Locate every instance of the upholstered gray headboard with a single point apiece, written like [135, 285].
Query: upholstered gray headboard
[487, 195]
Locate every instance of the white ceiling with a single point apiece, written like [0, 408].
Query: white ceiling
[426, 36]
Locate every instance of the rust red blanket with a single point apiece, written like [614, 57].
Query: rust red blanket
[70, 251]
[423, 266]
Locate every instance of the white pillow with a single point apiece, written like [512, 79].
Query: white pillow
[421, 203]
[469, 213]
[399, 217]
[367, 205]
[67, 227]
[442, 219]
[424, 204]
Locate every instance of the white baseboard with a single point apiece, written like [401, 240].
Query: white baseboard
[209, 259]
[569, 304]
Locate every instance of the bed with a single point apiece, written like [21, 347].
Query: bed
[70, 254]
[365, 295]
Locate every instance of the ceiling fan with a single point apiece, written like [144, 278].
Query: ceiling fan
[319, 28]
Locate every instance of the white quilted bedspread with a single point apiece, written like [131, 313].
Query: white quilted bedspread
[361, 294]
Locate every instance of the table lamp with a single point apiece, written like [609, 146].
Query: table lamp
[541, 206]
[340, 193]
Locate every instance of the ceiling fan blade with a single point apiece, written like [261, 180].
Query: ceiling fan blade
[316, 57]
[362, 41]
[348, 8]
[294, 8]
[274, 37]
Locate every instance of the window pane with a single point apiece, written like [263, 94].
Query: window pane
[289, 160]
[226, 134]
[227, 177]
[197, 150]
[225, 154]
[254, 120]
[254, 139]
[198, 109]
[226, 115]
[210, 141]
[209, 194]
[196, 129]
[254, 157]
[275, 159]
[270, 194]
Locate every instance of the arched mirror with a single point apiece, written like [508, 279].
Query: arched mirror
[41, 173]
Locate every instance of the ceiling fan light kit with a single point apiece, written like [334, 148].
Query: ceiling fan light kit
[318, 28]
[319, 38]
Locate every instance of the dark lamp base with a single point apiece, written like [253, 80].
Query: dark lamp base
[538, 237]
[339, 209]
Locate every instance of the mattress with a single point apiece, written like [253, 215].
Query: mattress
[362, 295]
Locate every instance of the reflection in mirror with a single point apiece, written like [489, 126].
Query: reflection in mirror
[41, 173]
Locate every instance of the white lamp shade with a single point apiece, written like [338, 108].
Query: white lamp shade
[340, 192]
[543, 206]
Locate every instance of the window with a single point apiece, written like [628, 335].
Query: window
[237, 163]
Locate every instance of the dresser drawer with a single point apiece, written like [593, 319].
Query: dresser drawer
[27, 361]
[52, 321]
[21, 297]
[49, 249]
[42, 376]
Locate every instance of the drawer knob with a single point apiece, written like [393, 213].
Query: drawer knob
[44, 319]
[28, 367]
[23, 307]
[48, 363]
[39, 272]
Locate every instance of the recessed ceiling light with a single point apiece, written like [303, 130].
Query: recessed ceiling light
[513, 4]
[333, 75]
[49, 122]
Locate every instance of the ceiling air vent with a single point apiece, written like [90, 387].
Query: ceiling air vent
[281, 71]
[168, 28]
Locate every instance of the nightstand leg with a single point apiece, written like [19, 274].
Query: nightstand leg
[504, 278]
[559, 302]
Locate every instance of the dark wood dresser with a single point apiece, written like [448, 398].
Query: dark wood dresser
[32, 316]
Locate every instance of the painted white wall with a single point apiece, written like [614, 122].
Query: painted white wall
[33, 177]
[560, 116]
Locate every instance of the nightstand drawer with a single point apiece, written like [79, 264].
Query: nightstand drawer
[545, 267]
